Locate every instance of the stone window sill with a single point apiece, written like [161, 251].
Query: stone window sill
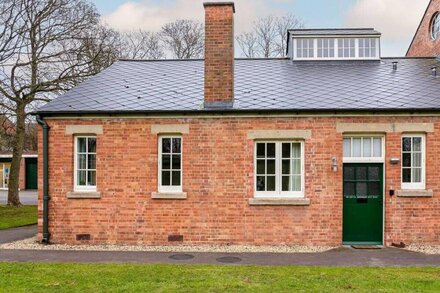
[83, 195]
[168, 195]
[272, 201]
[414, 193]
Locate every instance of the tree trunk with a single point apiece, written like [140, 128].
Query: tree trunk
[18, 145]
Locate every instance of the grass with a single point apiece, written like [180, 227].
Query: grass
[16, 217]
[43, 277]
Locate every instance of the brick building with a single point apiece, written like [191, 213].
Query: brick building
[426, 41]
[333, 144]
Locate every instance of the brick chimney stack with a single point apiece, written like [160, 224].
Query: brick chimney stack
[219, 54]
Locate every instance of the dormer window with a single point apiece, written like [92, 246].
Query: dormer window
[334, 44]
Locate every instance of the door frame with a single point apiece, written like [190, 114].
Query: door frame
[382, 161]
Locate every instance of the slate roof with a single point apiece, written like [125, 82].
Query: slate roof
[260, 85]
[333, 31]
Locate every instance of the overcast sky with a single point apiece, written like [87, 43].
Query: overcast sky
[396, 19]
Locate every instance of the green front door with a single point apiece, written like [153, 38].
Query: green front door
[363, 204]
[31, 173]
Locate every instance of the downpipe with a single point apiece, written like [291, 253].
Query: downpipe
[46, 198]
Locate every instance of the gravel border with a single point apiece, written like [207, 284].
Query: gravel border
[426, 249]
[32, 244]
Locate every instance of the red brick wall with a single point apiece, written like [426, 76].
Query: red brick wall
[423, 45]
[219, 53]
[218, 178]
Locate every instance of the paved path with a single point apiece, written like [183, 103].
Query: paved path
[27, 197]
[336, 257]
[14, 234]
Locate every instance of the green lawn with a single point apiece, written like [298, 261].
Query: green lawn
[17, 217]
[29, 277]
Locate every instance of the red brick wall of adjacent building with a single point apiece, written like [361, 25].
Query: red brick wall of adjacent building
[218, 178]
[423, 45]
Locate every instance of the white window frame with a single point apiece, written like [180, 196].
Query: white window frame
[84, 188]
[414, 185]
[364, 48]
[294, 54]
[278, 193]
[169, 189]
[363, 159]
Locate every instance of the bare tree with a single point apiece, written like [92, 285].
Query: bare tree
[248, 44]
[142, 45]
[45, 42]
[269, 36]
[184, 38]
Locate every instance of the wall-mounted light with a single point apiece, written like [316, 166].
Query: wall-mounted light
[334, 164]
[394, 161]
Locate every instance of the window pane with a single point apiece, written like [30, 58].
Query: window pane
[296, 166]
[82, 178]
[377, 147]
[261, 150]
[286, 183]
[296, 183]
[406, 144]
[417, 160]
[176, 162]
[176, 145]
[406, 175]
[367, 147]
[261, 186]
[82, 144]
[357, 147]
[166, 145]
[91, 164]
[91, 145]
[166, 162]
[417, 144]
[286, 167]
[82, 163]
[166, 178]
[296, 150]
[286, 150]
[347, 147]
[91, 178]
[406, 160]
[270, 183]
[176, 178]
[270, 166]
[271, 150]
[261, 167]
[417, 175]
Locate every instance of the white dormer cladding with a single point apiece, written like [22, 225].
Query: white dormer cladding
[334, 44]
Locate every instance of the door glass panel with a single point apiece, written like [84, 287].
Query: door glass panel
[373, 173]
[348, 173]
[361, 189]
[349, 188]
[374, 188]
[361, 173]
